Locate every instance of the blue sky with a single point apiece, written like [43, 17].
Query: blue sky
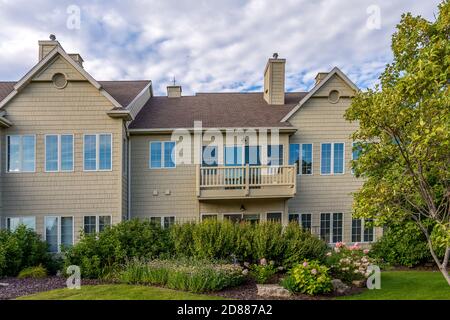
[209, 45]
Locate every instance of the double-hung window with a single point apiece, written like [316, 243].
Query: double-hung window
[331, 227]
[12, 223]
[98, 152]
[301, 156]
[162, 154]
[356, 151]
[252, 155]
[362, 230]
[58, 232]
[304, 219]
[275, 155]
[164, 222]
[233, 156]
[332, 158]
[96, 224]
[21, 153]
[58, 153]
[210, 157]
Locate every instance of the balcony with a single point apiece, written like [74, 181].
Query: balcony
[246, 182]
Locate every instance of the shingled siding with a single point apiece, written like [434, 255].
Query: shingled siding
[319, 121]
[181, 200]
[78, 109]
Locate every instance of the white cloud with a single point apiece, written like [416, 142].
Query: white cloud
[207, 45]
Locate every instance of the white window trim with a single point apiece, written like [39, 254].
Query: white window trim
[20, 153]
[281, 212]
[300, 152]
[58, 229]
[59, 152]
[332, 173]
[331, 225]
[363, 221]
[97, 220]
[300, 215]
[162, 218]
[232, 214]
[97, 152]
[208, 214]
[163, 147]
[20, 217]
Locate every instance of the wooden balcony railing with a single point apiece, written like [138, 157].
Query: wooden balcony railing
[246, 181]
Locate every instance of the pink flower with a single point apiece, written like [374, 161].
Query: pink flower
[263, 262]
[340, 244]
[366, 251]
[305, 264]
[314, 271]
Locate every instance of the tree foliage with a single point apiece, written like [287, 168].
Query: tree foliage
[404, 133]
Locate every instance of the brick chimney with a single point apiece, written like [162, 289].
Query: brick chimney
[274, 80]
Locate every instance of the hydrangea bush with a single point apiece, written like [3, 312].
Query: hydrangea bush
[349, 263]
[309, 277]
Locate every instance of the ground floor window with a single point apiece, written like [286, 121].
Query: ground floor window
[252, 218]
[96, 224]
[164, 222]
[233, 217]
[274, 216]
[304, 219]
[331, 227]
[362, 230]
[58, 232]
[209, 217]
[13, 223]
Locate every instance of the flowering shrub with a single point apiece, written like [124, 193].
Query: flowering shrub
[309, 277]
[263, 271]
[349, 263]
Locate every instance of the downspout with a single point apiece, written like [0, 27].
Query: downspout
[129, 176]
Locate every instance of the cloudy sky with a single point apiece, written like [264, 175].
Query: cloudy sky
[208, 45]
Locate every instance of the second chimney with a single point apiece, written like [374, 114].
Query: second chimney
[274, 80]
[174, 91]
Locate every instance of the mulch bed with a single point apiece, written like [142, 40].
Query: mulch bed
[21, 287]
[249, 291]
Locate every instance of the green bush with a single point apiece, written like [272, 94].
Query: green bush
[263, 272]
[402, 244]
[309, 277]
[33, 272]
[268, 241]
[301, 245]
[20, 249]
[98, 255]
[187, 275]
[214, 239]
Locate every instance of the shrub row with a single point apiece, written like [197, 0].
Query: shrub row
[213, 240]
[188, 275]
[23, 248]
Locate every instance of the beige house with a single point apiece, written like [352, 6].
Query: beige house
[80, 154]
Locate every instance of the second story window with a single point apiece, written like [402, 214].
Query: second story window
[97, 152]
[210, 156]
[275, 155]
[58, 153]
[21, 153]
[332, 158]
[162, 154]
[301, 156]
[233, 156]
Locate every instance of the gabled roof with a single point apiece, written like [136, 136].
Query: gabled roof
[122, 91]
[119, 91]
[334, 71]
[215, 110]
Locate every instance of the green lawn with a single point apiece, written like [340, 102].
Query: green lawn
[408, 285]
[118, 292]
